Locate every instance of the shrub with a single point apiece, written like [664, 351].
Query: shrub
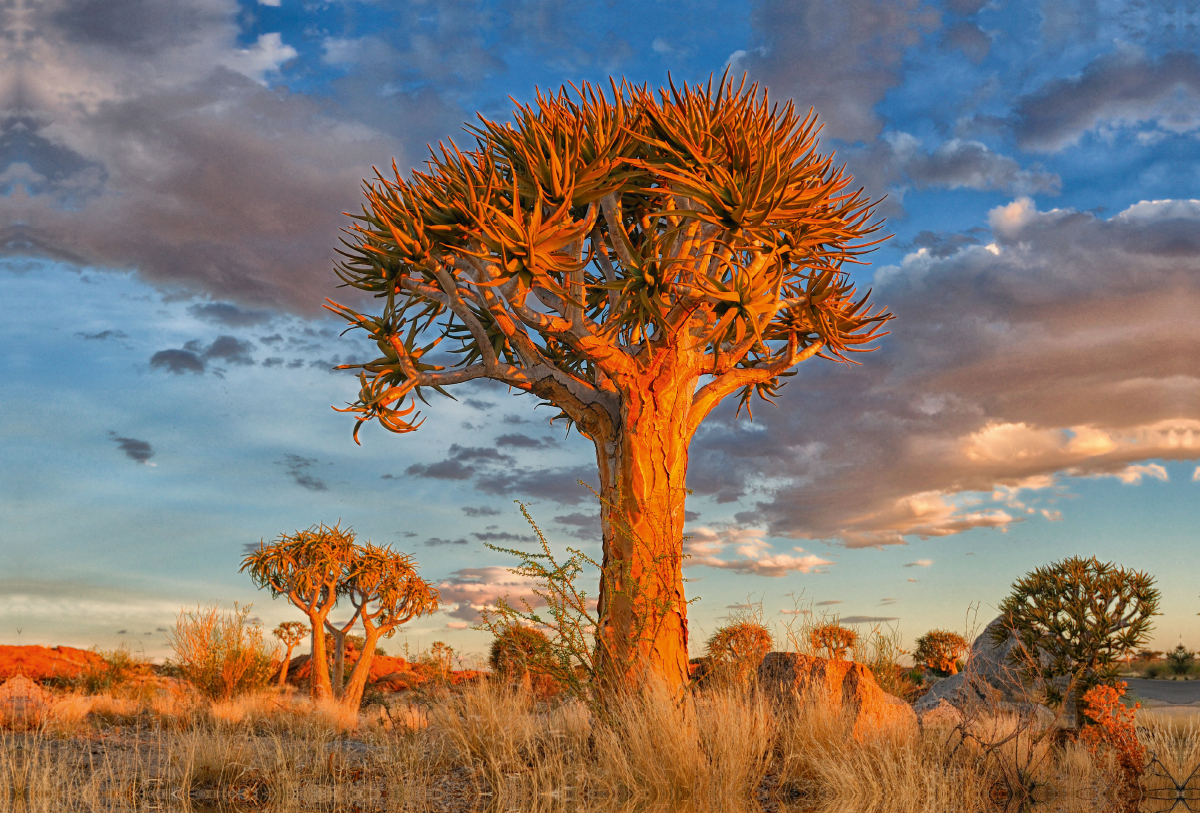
[1073, 621]
[833, 638]
[737, 649]
[939, 650]
[517, 650]
[222, 654]
[1180, 660]
[1112, 728]
[119, 667]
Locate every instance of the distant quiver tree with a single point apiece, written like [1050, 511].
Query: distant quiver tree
[632, 258]
[316, 568]
[1073, 620]
[291, 633]
[940, 650]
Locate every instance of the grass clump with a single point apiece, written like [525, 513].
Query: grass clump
[223, 654]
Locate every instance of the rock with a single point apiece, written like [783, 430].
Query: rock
[849, 686]
[942, 715]
[989, 682]
[40, 663]
[23, 703]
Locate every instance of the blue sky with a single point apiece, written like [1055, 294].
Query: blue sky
[173, 178]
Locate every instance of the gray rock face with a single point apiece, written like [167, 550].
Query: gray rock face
[989, 680]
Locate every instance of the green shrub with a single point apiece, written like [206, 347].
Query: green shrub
[1073, 621]
[119, 667]
[222, 654]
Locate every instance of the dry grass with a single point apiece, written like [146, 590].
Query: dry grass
[495, 747]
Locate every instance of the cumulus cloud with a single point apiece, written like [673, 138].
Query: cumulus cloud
[1064, 347]
[139, 451]
[839, 56]
[1132, 475]
[1125, 89]
[960, 164]
[753, 554]
[149, 141]
[472, 589]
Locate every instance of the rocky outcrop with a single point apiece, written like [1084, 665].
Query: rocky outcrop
[388, 673]
[989, 682]
[40, 663]
[847, 687]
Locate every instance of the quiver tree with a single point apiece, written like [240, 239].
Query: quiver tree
[833, 638]
[736, 650]
[1073, 620]
[291, 633]
[386, 592]
[306, 568]
[632, 258]
[940, 650]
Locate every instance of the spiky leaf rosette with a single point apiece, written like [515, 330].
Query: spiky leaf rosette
[565, 252]
[1074, 620]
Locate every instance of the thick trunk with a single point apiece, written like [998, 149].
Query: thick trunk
[643, 472]
[339, 660]
[321, 689]
[352, 696]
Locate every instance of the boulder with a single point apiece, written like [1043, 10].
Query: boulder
[989, 682]
[848, 686]
[40, 663]
[23, 703]
[941, 715]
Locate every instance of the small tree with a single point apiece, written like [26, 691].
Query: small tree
[737, 649]
[940, 650]
[308, 569]
[633, 259]
[833, 638]
[291, 633]
[1073, 620]
[1180, 659]
[517, 650]
[386, 592]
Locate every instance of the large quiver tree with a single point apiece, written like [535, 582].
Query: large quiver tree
[632, 258]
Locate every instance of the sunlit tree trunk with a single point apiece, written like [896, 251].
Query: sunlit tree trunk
[283, 668]
[643, 473]
[352, 695]
[320, 687]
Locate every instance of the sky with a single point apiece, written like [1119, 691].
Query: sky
[174, 178]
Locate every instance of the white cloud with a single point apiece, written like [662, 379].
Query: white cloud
[1196, 475]
[1132, 475]
[752, 552]
[920, 563]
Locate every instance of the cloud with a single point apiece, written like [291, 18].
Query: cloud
[457, 625]
[829, 603]
[752, 553]
[299, 469]
[1124, 89]
[1196, 475]
[462, 464]
[839, 56]
[437, 542]
[867, 619]
[503, 536]
[959, 164]
[474, 588]
[519, 441]
[103, 335]
[225, 313]
[156, 146]
[920, 563]
[480, 511]
[139, 451]
[193, 357]
[1132, 475]
[1064, 347]
[559, 485]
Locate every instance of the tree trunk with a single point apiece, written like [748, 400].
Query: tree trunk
[352, 696]
[339, 661]
[283, 668]
[320, 688]
[643, 472]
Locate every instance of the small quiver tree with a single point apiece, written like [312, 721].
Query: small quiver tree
[939, 651]
[632, 259]
[519, 653]
[308, 569]
[833, 638]
[736, 650]
[1073, 621]
[291, 633]
[386, 593]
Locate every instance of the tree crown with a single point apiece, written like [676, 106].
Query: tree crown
[571, 250]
